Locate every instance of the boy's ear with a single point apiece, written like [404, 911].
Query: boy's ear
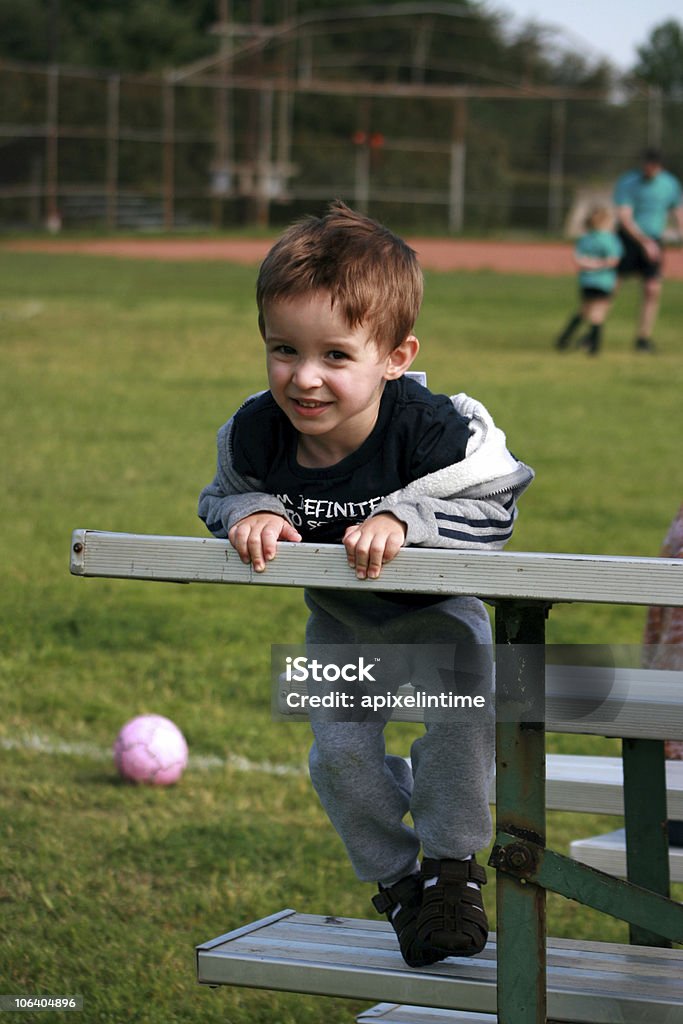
[401, 357]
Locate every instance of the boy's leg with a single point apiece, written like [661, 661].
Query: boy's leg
[366, 795]
[453, 761]
[562, 341]
[453, 768]
[365, 792]
[595, 313]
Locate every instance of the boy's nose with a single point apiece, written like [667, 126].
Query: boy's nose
[307, 375]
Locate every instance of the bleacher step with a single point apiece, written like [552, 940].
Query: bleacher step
[608, 853]
[393, 1013]
[588, 983]
[638, 703]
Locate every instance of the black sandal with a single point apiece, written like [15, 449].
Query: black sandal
[407, 892]
[452, 919]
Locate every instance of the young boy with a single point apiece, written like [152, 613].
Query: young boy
[597, 255]
[344, 448]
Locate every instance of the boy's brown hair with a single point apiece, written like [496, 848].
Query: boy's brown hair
[372, 275]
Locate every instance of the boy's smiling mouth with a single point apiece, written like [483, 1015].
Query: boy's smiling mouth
[309, 404]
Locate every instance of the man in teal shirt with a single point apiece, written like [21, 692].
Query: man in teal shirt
[644, 199]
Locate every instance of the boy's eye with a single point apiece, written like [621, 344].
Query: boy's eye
[283, 350]
[336, 356]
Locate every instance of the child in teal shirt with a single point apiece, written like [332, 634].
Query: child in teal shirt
[597, 255]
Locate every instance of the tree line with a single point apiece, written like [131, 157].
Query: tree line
[453, 42]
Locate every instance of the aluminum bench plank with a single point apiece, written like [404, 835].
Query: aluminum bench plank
[492, 574]
[588, 983]
[583, 782]
[608, 853]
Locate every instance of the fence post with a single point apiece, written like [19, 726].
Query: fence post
[168, 170]
[112, 172]
[284, 133]
[53, 220]
[456, 184]
[556, 168]
[361, 188]
[224, 160]
[264, 159]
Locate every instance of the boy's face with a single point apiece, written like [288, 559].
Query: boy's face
[327, 377]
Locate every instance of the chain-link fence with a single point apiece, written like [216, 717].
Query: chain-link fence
[124, 151]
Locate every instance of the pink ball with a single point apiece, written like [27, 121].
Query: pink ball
[151, 749]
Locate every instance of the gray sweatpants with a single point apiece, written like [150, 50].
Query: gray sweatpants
[366, 792]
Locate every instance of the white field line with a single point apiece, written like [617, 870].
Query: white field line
[201, 762]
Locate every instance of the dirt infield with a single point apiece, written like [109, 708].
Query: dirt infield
[552, 258]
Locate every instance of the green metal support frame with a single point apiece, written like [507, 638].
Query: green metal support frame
[525, 869]
[520, 807]
[642, 908]
[645, 817]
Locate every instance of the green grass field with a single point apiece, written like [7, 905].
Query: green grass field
[115, 376]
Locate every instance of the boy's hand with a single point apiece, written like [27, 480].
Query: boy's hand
[255, 537]
[372, 543]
